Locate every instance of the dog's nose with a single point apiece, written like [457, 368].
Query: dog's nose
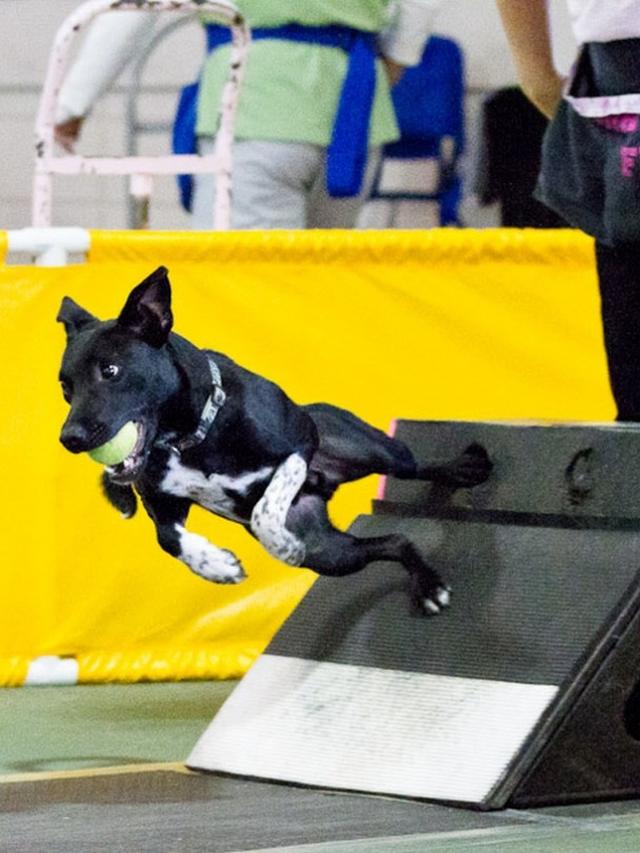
[74, 438]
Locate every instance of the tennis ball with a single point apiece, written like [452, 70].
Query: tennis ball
[115, 451]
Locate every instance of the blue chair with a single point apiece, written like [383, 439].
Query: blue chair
[429, 104]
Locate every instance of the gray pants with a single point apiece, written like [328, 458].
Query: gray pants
[279, 185]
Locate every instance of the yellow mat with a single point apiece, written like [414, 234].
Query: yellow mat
[439, 324]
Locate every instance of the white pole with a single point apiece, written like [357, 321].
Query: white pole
[49, 247]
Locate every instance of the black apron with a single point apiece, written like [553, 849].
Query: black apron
[590, 172]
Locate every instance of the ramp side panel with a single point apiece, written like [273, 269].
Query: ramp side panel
[572, 470]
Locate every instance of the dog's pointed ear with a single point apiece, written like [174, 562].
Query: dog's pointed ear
[147, 311]
[73, 317]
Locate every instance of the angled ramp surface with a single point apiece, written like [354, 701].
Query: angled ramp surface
[355, 693]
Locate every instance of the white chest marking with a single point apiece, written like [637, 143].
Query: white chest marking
[210, 492]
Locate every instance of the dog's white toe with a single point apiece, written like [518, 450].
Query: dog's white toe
[220, 566]
[443, 597]
[205, 560]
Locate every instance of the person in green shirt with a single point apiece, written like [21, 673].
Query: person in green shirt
[292, 155]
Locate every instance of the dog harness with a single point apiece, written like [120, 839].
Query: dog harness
[347, 151]
[214, 403]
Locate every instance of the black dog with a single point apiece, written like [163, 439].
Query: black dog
[214, 434]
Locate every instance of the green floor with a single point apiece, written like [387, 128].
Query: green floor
[66, 728]
[151, 809]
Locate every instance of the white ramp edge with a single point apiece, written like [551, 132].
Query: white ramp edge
[372, 730]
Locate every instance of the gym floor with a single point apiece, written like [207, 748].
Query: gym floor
[93, 768]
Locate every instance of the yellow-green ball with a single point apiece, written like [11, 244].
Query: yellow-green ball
[120, 446]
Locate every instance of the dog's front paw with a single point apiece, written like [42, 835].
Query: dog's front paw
[429, 596]
[220, 566]
[205, 560]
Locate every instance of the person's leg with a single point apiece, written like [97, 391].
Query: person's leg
[619, 280]
[327, 212]
[271, 183]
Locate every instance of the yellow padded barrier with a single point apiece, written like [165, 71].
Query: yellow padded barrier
[438, 324]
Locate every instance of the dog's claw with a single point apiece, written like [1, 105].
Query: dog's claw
[437, 601]
[430, 599]
[443, 596]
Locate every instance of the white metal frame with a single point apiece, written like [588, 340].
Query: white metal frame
[48, 247]
[140, 169]
[135, 125]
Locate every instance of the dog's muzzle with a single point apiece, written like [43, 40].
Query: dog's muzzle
[78, 437]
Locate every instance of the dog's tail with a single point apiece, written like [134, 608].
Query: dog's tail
[123, 498]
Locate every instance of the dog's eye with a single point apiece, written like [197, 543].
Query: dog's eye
[109, 371]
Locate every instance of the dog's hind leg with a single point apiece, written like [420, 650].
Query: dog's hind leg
[269, 515]
[335, 554]
[472, 467]
[350, 448]
[169, 515]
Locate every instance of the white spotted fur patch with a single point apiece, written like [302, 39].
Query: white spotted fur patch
[207, 561]
[210, 492]
[270, 512]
